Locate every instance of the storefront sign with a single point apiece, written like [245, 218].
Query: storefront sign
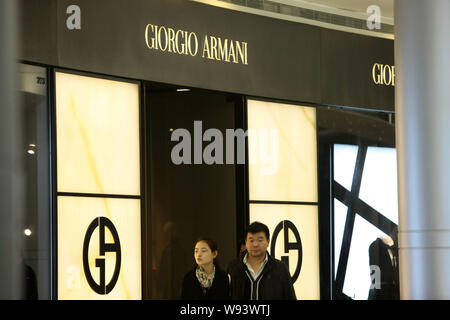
[193, 44]
[383, 74]
[187, 43]
[357, 70]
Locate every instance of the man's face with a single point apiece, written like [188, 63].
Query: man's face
[256, 244]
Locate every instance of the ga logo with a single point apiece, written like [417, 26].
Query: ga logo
[287, 225]
[101, 223]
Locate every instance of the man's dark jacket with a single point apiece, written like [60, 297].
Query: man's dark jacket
[274, 282]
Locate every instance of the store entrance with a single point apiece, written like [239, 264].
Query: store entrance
[188, 199]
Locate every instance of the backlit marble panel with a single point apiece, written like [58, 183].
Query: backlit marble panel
[282, 152]
[75, 214]
[97, 124]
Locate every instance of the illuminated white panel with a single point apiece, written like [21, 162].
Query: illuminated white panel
[282, 152]
[379, 181]
[357, 276]
[340, 216]
[75, 215]
[344, 164]
[305, 220]
[97, 135]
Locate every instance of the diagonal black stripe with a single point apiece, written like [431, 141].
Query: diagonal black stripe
[363, 209]
[350, 221]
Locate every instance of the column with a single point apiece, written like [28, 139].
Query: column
[11, 159]
[422, 100]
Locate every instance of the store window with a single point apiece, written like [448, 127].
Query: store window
[358, 149]
[376, 214]
[36, 254]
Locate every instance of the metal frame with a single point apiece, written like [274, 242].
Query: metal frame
[242, 204]
[326, 227]
[145, 141]
[54, 202]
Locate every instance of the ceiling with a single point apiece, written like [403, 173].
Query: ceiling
[345, 15]
[349, 6]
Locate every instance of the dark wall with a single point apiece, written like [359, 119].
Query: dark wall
[38, 31]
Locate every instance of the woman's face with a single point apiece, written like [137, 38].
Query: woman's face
[203, 254]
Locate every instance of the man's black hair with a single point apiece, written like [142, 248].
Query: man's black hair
[256, 227]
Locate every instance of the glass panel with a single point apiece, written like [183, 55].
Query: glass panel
[97, 135]
[296, 218]
[340, 215]
[344, 164]
[345, 130]
[282, 152]
[357, 277]
[36, 229]
[80, 223]
[379, 181]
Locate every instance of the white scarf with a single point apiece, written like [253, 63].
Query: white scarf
[205, 279]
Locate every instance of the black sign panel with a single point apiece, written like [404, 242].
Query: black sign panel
[283, 60]
[282, 57]
[37, 31]
[350, 70]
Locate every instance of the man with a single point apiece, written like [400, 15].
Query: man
[258, 276]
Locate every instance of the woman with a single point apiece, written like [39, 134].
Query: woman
[206, 281]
